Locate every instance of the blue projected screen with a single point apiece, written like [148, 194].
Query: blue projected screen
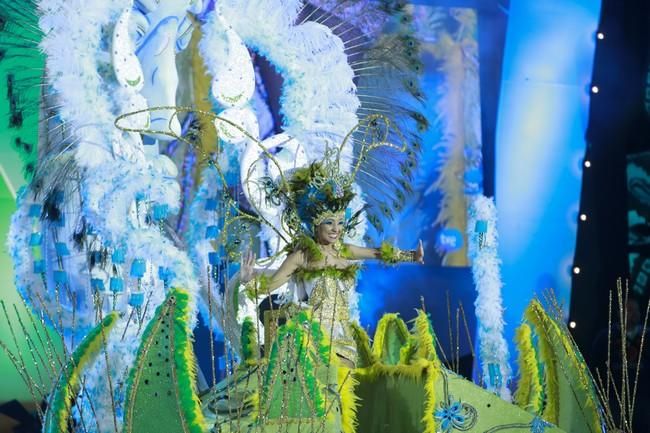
[449, 172]
[449, 168]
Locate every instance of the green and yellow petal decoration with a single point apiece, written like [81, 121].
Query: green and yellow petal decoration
[425, 337]
[68, 385]
[349, 399]
[572, 402]
[391, 335]
[161, 389]
[365, 356]
[530, 391]
[292, 386]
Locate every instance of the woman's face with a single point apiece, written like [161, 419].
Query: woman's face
[330, 230]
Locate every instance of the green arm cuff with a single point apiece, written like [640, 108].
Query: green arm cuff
[390, 254]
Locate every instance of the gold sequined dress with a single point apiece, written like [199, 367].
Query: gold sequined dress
[327, 291]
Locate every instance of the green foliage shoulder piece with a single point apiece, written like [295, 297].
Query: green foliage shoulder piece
[365, 357]
[390, 336]
[530, 393]
[425, 336]
[571, 399]
[308, 246]
[347, 273]
[161, 389]
[68, 384]
[345, 252]
[256, 288]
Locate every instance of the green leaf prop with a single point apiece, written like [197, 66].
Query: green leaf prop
[161, 392]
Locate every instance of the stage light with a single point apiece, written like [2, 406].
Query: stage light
[576, 270]
[587, 163]
[594, 89]
[583, 217]
[572, 324]
[600, 35]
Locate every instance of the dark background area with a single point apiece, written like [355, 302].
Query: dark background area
[618, 127]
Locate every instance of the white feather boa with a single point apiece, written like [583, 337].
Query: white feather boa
[109, 194]
[319, 106]
[486, 269]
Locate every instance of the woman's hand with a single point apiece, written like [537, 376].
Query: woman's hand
[247, 267]
[418, 254]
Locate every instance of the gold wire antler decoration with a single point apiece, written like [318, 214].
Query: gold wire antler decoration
[624, 392]
[371, 132]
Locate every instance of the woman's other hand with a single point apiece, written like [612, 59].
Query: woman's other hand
[247, 267]
[418, 254]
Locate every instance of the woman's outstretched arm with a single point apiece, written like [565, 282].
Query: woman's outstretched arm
[388, 253]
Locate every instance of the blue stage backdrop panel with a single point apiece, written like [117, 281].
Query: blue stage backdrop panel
[441, 290]
[450, 164]
[448, 174]
[540, 146]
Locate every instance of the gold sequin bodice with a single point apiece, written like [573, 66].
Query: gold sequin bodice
[328, 294]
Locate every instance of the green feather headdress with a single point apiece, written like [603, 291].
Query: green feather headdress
[313, 193]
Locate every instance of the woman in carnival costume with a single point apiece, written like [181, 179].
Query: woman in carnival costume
[320, 268]
[303, 376]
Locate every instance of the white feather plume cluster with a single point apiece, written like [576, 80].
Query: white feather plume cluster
[109, 194]
[115, 174]
[30, 285]
[319, 100]
[228, 62]
[78, 67]
[319, 106]
[486, 269]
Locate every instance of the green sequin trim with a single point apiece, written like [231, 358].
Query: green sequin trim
[305, 339]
